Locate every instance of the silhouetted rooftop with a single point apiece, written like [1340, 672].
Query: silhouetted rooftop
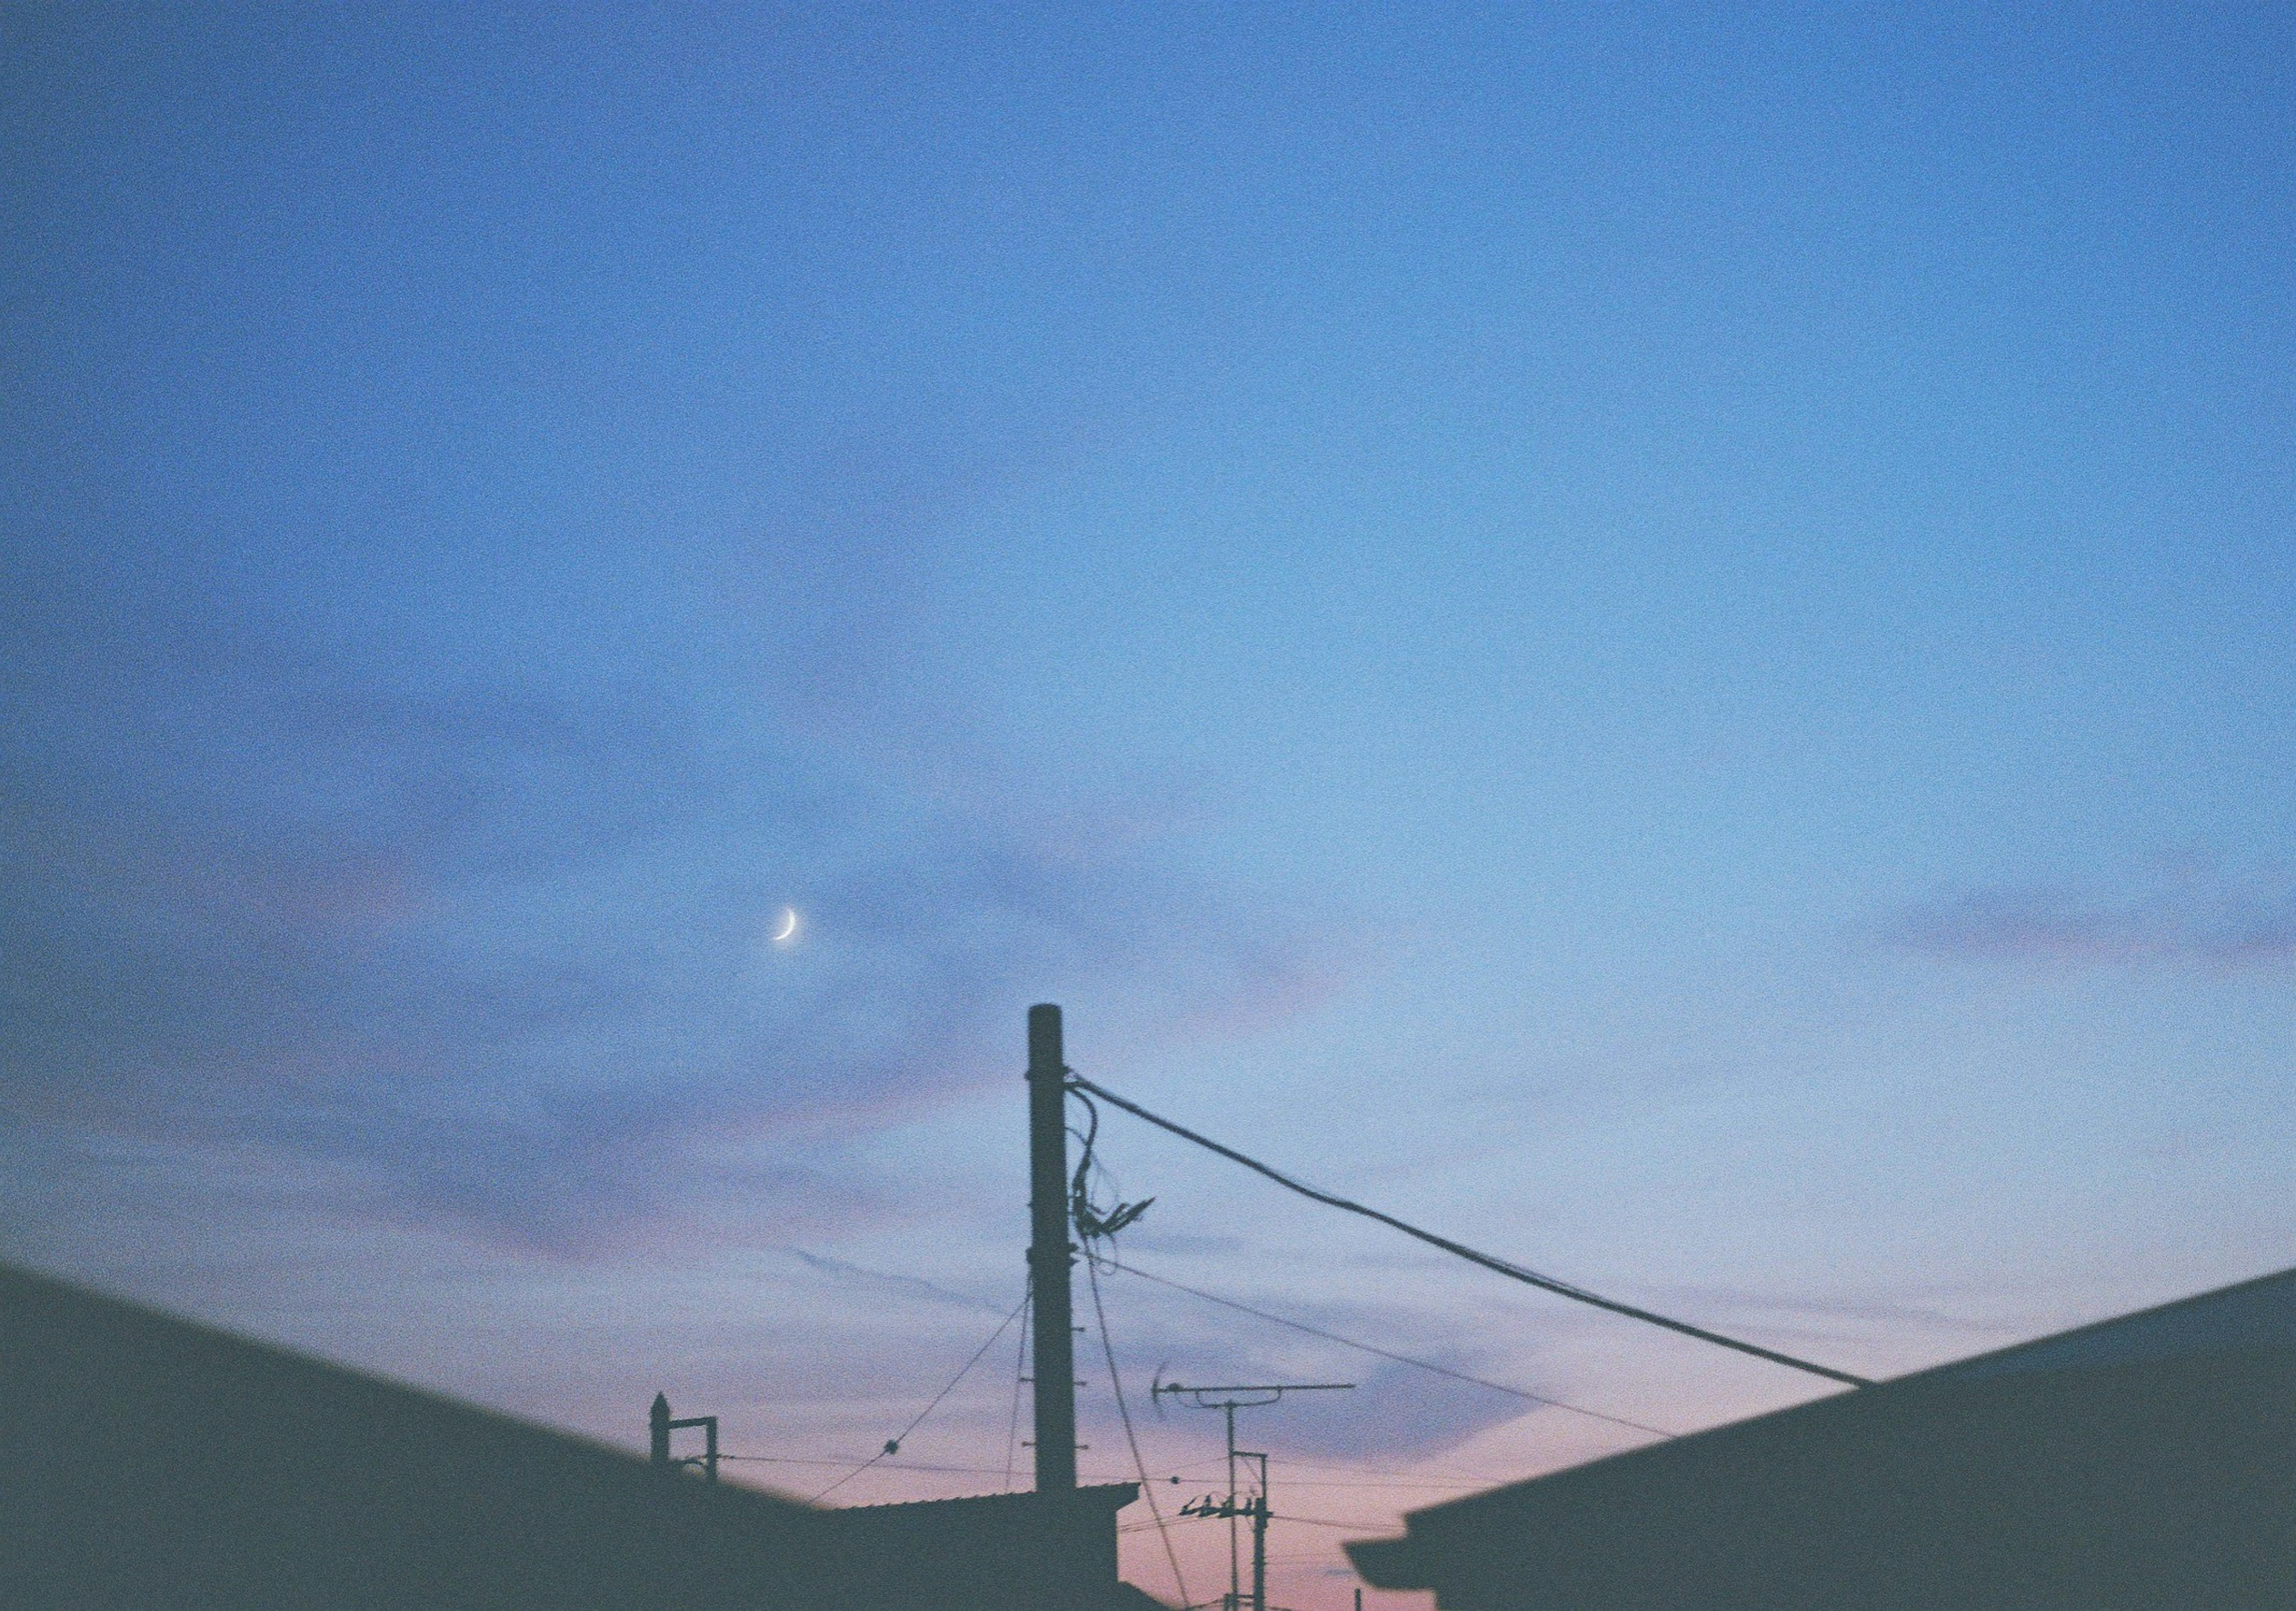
[154, 1461]
[2138, 1461]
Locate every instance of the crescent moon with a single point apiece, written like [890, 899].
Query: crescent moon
[789, 925]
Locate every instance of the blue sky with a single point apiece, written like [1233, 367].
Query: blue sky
[1658, 635]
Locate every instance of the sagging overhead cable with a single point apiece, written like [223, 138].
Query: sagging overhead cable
[1530, 1278]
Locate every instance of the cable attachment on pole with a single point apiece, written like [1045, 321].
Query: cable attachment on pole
[1094, 1222]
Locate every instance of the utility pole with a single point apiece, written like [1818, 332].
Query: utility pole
[1050, 1252]
[1226, 1399]
[1258, 1506]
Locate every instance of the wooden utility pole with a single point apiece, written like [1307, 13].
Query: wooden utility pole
[1050, 1252]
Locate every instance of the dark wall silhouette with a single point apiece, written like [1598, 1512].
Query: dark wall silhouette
[2153, 1468]
[148, 1463]
[1056, 1551]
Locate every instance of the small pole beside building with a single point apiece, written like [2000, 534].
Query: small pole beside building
[1259, 1535]
[662, 1424]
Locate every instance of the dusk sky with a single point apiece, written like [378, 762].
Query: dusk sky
[1662, 637]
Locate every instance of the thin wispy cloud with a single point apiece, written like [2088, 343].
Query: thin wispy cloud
[501, 951]
[2208, 924]
[909, 1286]
[1395, 1412]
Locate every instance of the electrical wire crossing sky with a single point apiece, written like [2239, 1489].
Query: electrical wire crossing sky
[1656, 639]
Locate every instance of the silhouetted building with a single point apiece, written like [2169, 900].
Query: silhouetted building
[2144, 1461]
[1060, 1547]
[147, 1463]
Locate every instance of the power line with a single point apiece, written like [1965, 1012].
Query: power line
[1296, 1482]
[1400, 1359]
[938, 1470]
[1282, 1516]
[791, 1460]
[1473, 1479]
[893, 1444]
[1513, 1271]
[1147, 1488]
[1020, 1378]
